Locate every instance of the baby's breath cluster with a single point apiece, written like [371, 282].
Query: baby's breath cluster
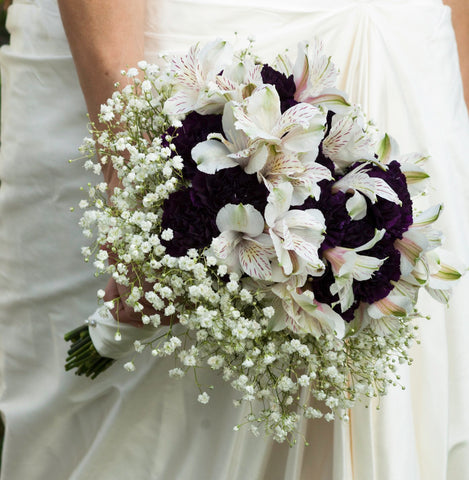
[223, 299]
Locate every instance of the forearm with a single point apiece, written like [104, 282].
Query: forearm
[460, 17]
[105, 36]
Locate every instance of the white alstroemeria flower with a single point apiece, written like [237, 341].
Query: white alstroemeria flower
[195, 79]
[301, 171]
[384, 324]
[218, 152]
[296, 234]
[350, 139]
[394, 305]
[417, 178]
[239, 79]
[348, 265]
[418, 239]
[303, 314]
[438, 271]
[360, 183]
[299, 129]
[242, 245]
[255, 129]
[315, 76]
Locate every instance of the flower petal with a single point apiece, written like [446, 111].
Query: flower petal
[211, 156]
[240, 218]
[182, 102]
[278, 202]
[262, 109]
[254, 260]
[224, 244]
[393, 305]
[356, 206]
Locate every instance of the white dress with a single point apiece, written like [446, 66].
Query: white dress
[398, 58]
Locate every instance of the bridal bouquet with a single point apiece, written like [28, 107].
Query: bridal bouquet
[274, 225]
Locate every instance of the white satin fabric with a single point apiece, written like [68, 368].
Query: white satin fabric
[398, 58]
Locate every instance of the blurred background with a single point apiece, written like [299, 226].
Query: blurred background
[4, 38]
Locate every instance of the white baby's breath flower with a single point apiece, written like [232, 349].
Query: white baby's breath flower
[129, 366]
[176, 373]
[215, 362]
[131, 73]
[222, 270]
[167, 234]
[248, 363]
[269, 311]
[203, 398]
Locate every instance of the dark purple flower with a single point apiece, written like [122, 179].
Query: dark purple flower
[359, 232]
[332, 205]
[195, 128]
[396, 219]
[192, 225]
[284, 85]
[230, 185]
[379, 285]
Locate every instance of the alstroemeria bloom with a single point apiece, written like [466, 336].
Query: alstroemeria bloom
[296, 234]
[219, 152]
[242, 245]
[348, 265]
[437, 272]
[349, 139]
[302, 313]
[239, 79]
[299, 129]
[301, 171]
[195, 79]
[394, 305]
[360, 183]
[315, 76]
[418, 239]
[256, 129]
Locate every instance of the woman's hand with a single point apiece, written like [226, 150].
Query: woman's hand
[121, 311]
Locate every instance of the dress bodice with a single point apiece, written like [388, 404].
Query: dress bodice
[275, 24]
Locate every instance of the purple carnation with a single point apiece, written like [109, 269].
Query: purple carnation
[191, 213]
[379, 285]
[396, 219]
[230, 185]
[337, 219]
[359, 232]
[193, 226]
[195, 129]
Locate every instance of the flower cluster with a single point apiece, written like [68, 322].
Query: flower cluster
[272, 222]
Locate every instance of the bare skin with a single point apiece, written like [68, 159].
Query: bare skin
[460, 18]
[101, 49]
